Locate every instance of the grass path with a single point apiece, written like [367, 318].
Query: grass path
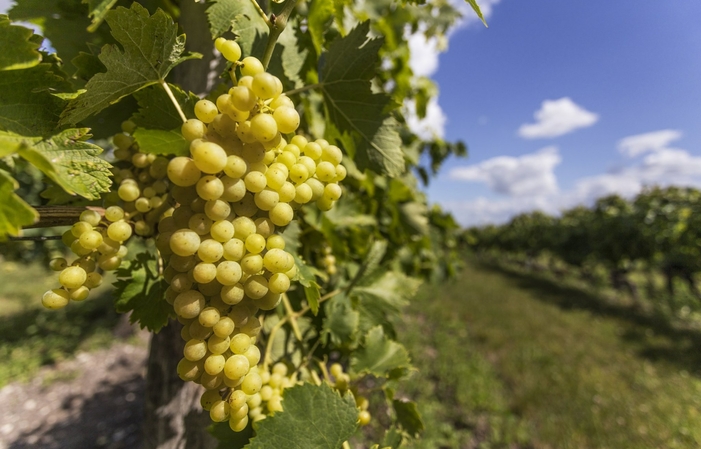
[510, 360]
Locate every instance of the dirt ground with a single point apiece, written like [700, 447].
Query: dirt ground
[94, 400]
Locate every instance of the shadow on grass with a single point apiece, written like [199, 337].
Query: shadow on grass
[35, 336]
[678, 346]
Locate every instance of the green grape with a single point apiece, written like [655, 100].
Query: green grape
[237, 399]
[230, 50]
[209, 157]
[275, 260]
[244, 132]
[264, 227]
[235, 166]
[209, 317]
[275, 242]
[195, 350]
[142, 204]
[58, 264]
[109, 247]
[251, 66]
[109, 263]
[208, 399]
[200, 223]
[287, 119]
[287, 159]
[189, 304]
[219, 411]
[236, 366]
[309, 164]
[256, 286]
[180, 282]
[264, 127]
[326, 171]
[184, 242]
[255, 243]
[251, 263]
[222, 231]
[276, 176]
[264, 85]
[218, 345]
[210, 251]
[251, 383]
[55, 299]
[204, 272]
[228, 273]
[205, 110]
[90, 216]
[210, 187]
[281, 100]
[303, 194]
[223, 125]
[217, 209]
[183, 171]
[324, 204]
[128, 191]
[312, 150]
[255, 181]
[341, 173]
[232, 294]
[266, 199]
[332, 191]
[72, 277]
[214, 364]
[243, 227]
[182, 263]
[188, 370]
[237, 425]
[122, 141]
[80, 293]
[93, 280]
[234, 249]
[266, 393]
[282, 214]
[252, 354]
[234, 189]
[193, 129]
[240, 343]
[140, 160]
[336, 370]
[198, 331]
[80, 227]
[287, 192]
[224, 327]
[364, 418]
[279, 283]
[316, 186]
[269, 301]
[299, 173]
[253, 152]
[243, 98]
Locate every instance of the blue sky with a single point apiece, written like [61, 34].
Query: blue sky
[615, 86]
[609, 70]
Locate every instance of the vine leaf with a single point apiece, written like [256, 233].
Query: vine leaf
[157, 141]
[307, 277]
[241, 17]
[341, 322]
[19, 51]
[379, 355]
[354, 108]
[408, 416]
[478, 11]
[98, 10]
[140, 289]
[14, 212]
[318, 19]
[156, 111]
[151, 48]
[71, 162]
[314, 417]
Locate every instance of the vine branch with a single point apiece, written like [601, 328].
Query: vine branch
[174, 101]
[276, 24]
[302, 89]
[50, 216]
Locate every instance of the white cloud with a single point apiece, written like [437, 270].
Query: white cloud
[527, 175]
[556, 118]
[482, 211]
[649, 142]
[423, 58]
[430, 127]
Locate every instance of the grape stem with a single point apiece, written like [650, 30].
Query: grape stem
[291, 314]
[276, 25]
[173, 100]
[50, 216]
[37, 238]
[261, 12]
[302, 89]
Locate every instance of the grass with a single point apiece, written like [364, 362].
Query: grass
[31, 336]
[512, 360]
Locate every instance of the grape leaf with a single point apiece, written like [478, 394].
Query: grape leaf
[320, 14]
[157, 141]
[71, 162]
[140, 289]
[341, 322]
[98, 10]
[352, 106]
[14, 212]
[18, 50]
[307, 277]
[28, 107]
[227, 438]
[379, 355]
[314, 417]
[385, 289]
[408, 417]
[241, 17]
[156, 111]
[477, 10]
[11, 143]
[88, 65]
[151, 48]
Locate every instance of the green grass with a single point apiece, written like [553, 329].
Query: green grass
[507, 358]
[31, 336]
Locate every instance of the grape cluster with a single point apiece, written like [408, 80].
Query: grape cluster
[143, 184]
[98, 245]
[342, 383]
[329, 261]
[225, 261]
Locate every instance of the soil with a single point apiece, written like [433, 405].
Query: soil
[94, 400]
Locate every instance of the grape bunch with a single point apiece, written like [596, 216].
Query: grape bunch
[225, 257]
[97, 243]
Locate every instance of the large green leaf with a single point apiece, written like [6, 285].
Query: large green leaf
[341, 322]
[71, 162]
[379, 355]
[11, 143]
[14, 212]
[313, 417]
[18, 50]
[354, 108]
[157, 141]
[27, 106]
[151, 48]
[140, 289]
[156, 111]
[239, 16]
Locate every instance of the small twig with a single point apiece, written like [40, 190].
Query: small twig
[346, 445]
[38, 238]
[271, 339]
[50, 216]
[302, 89]
[292, 318]
[174, 101]
[261, 13]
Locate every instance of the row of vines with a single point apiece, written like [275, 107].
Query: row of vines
[656, 233]
[254, 190]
